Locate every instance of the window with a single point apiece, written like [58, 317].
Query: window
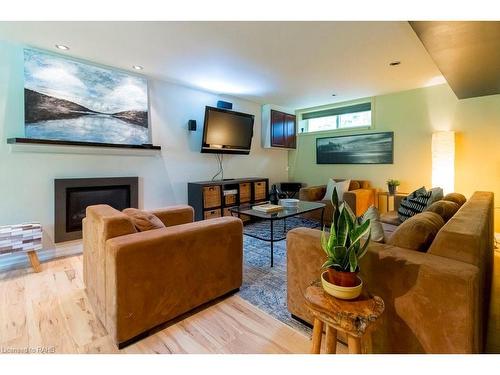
[359, 115]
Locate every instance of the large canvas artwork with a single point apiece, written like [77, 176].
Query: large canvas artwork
[372, 148]
[69, 100]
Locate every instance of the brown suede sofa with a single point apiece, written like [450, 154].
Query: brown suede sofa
[435, 301]
[359, 197]
[138, 280]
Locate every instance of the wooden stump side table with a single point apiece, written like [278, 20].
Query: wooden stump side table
[354, 317]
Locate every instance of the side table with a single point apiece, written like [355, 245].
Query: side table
[354, 317]
[396, 198]
[25, 238]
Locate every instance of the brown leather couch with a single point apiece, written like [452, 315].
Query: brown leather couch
[138, 280]
[435, 301]
[359, 197]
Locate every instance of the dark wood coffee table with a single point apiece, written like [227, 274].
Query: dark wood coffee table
[302, 207]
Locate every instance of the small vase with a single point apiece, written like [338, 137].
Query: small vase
[392, 189]
[347, 279]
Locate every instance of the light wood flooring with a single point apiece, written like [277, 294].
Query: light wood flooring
[50, 309]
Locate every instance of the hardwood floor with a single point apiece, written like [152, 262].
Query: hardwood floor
[50, 310]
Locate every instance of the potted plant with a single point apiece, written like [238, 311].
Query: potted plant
[344, 249]
[392, 185]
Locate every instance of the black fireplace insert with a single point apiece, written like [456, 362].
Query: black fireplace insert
[74, 195]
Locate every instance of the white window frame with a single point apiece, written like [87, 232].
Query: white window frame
[304, 124]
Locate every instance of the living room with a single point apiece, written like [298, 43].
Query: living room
[205, 186]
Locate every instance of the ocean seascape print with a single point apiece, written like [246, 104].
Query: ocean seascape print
[373, 148]
[69, 100]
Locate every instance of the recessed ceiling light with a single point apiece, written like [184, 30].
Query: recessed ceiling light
[394, 63]
[62, 46]
[137, 67]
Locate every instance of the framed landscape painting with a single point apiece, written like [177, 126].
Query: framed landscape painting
[69, 100]
[371, 148]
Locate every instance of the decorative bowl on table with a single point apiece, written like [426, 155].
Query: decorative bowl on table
[342, 292]
[289, 203]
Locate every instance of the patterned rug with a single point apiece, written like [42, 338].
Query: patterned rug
[263, 286]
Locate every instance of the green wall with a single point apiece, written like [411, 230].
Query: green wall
[413, 116]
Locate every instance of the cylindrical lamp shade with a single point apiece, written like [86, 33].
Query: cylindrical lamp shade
[443, 160]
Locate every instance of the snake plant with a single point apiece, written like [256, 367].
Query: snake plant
[343, 243]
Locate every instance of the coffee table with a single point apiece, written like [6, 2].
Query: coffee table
[302, 207]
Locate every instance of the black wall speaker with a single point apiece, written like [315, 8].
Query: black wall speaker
[192, 125]
[224, 105]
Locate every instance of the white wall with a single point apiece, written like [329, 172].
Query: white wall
[27, 179]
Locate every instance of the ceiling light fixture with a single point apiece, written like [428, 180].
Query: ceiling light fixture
[137, 67]
[394, 63]
[62, 46]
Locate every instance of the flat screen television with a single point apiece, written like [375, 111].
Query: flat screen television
[227, 132]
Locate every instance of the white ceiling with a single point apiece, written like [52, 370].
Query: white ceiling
[292, 64]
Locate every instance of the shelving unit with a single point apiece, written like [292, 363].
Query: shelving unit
[215, 198]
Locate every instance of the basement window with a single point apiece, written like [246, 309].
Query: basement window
[339, 118]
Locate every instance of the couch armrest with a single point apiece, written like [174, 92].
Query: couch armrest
[312, 193]
[175, 215]
[432, 303]
[154, 276]
[360, 200]
[304, 259]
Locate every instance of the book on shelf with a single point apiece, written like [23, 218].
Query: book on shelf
[267, 208]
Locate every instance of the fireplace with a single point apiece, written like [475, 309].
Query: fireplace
[74, 195]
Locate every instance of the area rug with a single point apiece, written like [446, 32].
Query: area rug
[263, 286]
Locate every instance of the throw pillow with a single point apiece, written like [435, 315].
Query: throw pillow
[376, 226]
[418, 232]
[342, 187]
[455, 197]
[414, 203]
[437, 194]
[445, 209]
[143, 221]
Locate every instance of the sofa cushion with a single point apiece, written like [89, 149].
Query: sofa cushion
[445, 209]
[418, 232]
[377, 231]
[436, 195]
[414, 203]
[455, 197]
[342, 187]
[143, 221]
[391, 218]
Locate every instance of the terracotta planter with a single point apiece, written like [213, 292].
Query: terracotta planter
[347, 279]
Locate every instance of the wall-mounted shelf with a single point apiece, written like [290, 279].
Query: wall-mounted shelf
[75, 147]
